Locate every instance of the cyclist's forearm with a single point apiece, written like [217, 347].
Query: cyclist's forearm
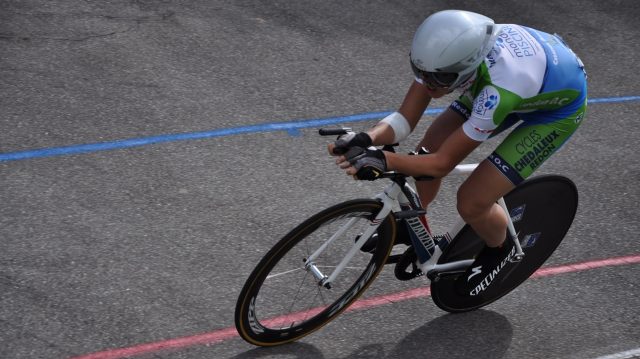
[415, 103]
[427, 165]
[438, 164]
[398, 125]
[381, 134]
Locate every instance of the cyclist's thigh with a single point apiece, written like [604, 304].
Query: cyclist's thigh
[534, 141]
[484, 186]
[443, 126]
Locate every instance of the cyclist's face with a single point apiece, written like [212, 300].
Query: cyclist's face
[438, 84]
[436, 92]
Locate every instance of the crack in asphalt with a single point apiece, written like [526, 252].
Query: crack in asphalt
[85, 38]
[137, 20]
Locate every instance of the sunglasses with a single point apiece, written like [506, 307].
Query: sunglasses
[435, 79]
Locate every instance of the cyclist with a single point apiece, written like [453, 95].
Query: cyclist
[506, 74]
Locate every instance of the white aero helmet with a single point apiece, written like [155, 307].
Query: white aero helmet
[450, 45]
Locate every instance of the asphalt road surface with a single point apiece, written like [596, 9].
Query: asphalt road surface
[152, 151]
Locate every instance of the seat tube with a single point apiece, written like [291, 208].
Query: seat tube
[512, 229]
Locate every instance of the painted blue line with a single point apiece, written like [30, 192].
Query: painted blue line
[614, 99]
[292, 127]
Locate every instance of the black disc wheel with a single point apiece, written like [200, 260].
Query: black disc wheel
[542, 209]
[282, 300]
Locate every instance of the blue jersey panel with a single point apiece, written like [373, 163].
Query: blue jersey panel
[564, 71]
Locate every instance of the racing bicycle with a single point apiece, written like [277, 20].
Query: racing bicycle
[323, 265]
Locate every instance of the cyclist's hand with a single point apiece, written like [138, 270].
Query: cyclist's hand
[365, 164]
[345, 142]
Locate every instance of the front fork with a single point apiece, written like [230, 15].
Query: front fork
[388, 198]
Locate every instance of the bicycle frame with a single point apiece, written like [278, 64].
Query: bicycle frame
[391, 198]
[352, 242]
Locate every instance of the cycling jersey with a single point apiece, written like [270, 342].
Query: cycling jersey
[529, 76]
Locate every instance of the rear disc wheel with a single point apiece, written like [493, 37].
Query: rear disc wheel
[542, 209]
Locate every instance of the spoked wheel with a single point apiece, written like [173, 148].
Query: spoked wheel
[282, 300]
[542, 209]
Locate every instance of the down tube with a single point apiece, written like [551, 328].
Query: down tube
[338, 234]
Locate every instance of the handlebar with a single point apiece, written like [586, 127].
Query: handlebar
[334, 131]
[346, 130]
[389, 148]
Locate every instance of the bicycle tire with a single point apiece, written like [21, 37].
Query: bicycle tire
[265, 321]
[542, 209]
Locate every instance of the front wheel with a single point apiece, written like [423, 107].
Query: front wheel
[282, 301]
[542, 210]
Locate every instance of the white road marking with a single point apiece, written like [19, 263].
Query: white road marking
[633, 353]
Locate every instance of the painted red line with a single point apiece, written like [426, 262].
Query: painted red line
[206, 338]
[230, 333]
[390, 298]
[579, 267]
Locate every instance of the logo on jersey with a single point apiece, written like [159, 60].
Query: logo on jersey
[505, 168]
[535, 149]
[486, 102]
[483, 131]
[546, 103]
[491, 102]
[500, 163]
[517, 41]
[491, 58]
[459, 108]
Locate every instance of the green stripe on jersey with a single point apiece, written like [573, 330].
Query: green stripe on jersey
[549, 100]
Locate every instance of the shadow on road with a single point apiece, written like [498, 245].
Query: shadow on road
[478, 334]
[293, 350]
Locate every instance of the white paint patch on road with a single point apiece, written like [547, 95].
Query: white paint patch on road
[629, 354]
